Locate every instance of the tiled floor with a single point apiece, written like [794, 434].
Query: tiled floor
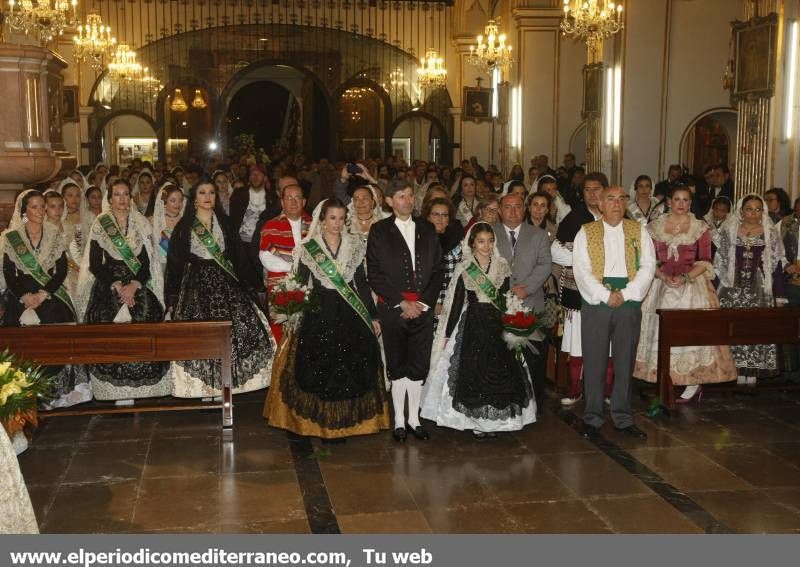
[732, 464]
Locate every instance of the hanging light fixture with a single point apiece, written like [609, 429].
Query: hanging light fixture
[45, 19]
[492, 52]
[198, 102]
[431, 72]
[591, 20]
[93, 41]
[123, 64]
[396, 80]
[178, 103]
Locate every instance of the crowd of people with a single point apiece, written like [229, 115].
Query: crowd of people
[407, 269]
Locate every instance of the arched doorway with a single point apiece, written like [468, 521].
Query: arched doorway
[124, 136]
[419, 136]
[709, 139]
[361, 122]
[577, 143]
[246, 116]
[283, 108]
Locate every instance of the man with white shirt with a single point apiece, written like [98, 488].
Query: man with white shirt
[278, 238]
[614, 263]
[246, 205]
[404, 266]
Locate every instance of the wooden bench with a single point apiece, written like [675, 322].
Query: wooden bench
[129, 342]
[704, 327]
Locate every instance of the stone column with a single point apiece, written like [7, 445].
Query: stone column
[31, 146]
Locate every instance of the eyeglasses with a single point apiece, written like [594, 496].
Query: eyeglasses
[759, 210]
[492, 210]
[441, 215]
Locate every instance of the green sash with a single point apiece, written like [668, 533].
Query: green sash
[212, 247]
[347, 293]
[480, 278]
[30, 262]
[109, 224]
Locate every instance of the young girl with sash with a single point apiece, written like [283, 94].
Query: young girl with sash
[34, 270]
[328, 377]
[475, 381]
[119, 283]
[168, 209]
[203, 283]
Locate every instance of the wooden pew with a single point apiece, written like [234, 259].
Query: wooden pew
[701, 327]
[129, 342]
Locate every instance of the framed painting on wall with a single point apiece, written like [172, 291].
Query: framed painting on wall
[70, 104]
[592, 89]
[477, 104]
[756, 42]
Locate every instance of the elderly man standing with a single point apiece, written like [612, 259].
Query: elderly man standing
[614, 263]
[527, 250]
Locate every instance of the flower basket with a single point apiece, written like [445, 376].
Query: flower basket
[22, 386]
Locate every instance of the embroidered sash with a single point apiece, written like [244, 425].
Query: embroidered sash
[118, 240]
[329, 269]
[207, 239]
[33, 267]
[486, 285]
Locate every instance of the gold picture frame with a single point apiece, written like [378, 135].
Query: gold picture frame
[756, 43]
[592, 90]
[70, 104]
[477, 104]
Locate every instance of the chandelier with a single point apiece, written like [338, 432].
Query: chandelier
[396, 81]
[93, 41]
[431, 72]
[491, 51]
[46, 19]
[151, 85]
[591, 20]
[178, 103]
[198, 102]
[123, 63]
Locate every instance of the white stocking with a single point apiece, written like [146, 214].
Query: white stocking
[414, 396]
[399, 389]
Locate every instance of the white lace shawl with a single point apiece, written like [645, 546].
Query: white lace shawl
[160, 219]
[352, 252]
[725, 241]
[50, 248]
[657, 230]
[199, 249]
[139, 234]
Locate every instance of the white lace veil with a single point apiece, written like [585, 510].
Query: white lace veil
[14, 224]
[725, 240]
[139, 234]
[160, 217]
[352, 250]
[51, 246]
[499, 270]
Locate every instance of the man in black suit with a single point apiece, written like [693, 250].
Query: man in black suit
[663, 188]
[404, 266]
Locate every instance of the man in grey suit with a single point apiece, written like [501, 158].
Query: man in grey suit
[527, 249]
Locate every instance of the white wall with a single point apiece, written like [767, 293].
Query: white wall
[699, 34]
[572, 58]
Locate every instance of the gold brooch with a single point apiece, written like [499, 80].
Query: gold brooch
[21, 249]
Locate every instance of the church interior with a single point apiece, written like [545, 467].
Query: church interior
[627, 89]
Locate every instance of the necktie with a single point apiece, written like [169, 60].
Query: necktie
[513, 239]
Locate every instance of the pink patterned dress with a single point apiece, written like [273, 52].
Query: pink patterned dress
[678, 255]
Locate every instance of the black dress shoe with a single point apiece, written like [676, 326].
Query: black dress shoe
[399, 434]
[419, 433]
[588, 431]
[633, 431]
